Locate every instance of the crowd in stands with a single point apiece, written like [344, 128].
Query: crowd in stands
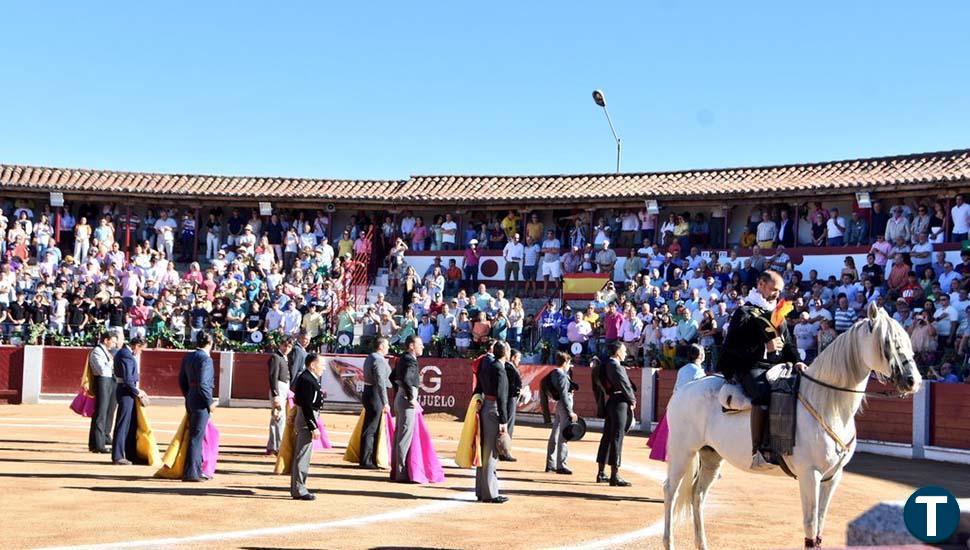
[279, 275]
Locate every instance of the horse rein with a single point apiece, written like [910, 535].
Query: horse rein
[885, 393]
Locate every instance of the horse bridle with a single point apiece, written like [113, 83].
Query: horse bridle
[896, 374]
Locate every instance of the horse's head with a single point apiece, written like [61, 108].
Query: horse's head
[890, 351]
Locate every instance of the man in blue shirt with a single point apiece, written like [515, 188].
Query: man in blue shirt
[693, 369]
[550, 323]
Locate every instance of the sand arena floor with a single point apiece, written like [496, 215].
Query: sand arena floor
[55, 493]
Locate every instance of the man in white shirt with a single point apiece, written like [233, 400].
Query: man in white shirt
[960, 214]
[629, 229]
[325, 253]
[960, 300]
[449, 233]
[292, 319]
[709, 292]
[530, 266]
[165, 234]
[550, 262]
[513, 254]
[274, 318]
[767, 232]
[806, 336]
[921, 253]
[835, 229]
[945, 320]
[407, 225]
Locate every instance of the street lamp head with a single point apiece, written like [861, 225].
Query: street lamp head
[599, 98]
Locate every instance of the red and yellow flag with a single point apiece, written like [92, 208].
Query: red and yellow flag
[782, 310]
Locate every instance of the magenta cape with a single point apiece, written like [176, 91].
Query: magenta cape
[423, 464]
[210, 449]
[658, 441]
[324, 441]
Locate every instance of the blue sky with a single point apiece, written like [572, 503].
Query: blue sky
[391, 89]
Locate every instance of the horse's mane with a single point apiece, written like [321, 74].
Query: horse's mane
[840, 364]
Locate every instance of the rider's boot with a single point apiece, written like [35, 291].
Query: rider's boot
[759, 417]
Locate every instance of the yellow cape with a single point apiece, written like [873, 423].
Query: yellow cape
[284, 460]
[173, 461]
[86, 379]
[145, 443]
[467, 454]
[353, 445]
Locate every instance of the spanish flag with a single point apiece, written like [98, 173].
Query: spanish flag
[782, 310]
[583, 286]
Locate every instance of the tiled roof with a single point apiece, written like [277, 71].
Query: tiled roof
[910, 170]
[186, 185]
[915, 171]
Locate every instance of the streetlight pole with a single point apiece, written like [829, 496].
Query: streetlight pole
[600, 100]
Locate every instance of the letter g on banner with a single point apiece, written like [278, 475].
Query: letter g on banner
[931, 514]
[430, 384]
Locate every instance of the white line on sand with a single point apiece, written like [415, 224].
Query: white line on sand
[396, 515]
[653, 530]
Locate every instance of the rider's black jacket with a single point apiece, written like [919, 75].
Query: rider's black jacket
[744, 349]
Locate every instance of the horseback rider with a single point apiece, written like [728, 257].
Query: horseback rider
[752, 346]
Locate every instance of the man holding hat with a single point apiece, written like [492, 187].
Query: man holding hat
[470, 264]
[492, 421]
[556, 452]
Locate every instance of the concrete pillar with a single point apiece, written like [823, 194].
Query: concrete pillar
[33, 367]
[921, 420]
[648, 394]
[225, 378]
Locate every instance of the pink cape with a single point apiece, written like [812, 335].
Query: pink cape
[83, 404]
[324, 441]
[658, 441]
[423, 464]
[210, 449]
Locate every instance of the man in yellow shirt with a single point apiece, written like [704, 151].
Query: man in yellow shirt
[510, 224]
[534, 229]
[345, 247]
[312, 322]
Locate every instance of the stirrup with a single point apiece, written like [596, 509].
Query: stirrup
[759, 464]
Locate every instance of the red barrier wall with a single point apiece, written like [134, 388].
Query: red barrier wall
[63, 368]
[250, 376]
[11, 372]
[885, 418]
[949, 411]
[664, 385]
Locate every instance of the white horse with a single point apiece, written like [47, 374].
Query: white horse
[701, 434]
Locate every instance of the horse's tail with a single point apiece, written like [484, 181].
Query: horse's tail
[682, 505]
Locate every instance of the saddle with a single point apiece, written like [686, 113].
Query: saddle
[780, 436]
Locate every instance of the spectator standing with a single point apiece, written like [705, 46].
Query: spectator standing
[165, 234]
[606, 259]
[513, 254]
[835, 229]
[766, 232]
[880, 250]
[449, 233]
[530, 267]
[897, 226]
[857, 234]
[945, 320]
[920, 224]
[960, 215]
[550, 262]
[470, 263]
[921, 252]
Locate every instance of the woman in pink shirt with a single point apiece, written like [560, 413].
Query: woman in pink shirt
[419, 234]
[194, 274]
